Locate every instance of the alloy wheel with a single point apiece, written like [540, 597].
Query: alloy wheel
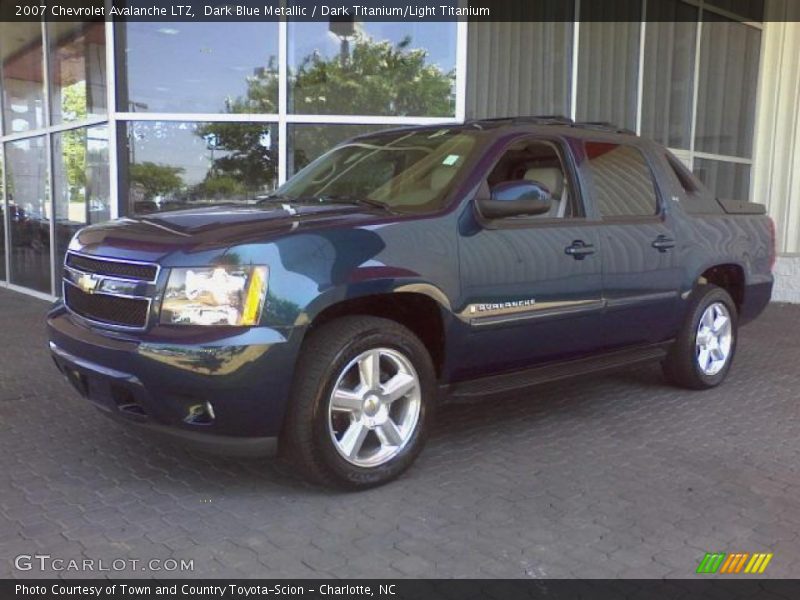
[714, 339]
[374, 408]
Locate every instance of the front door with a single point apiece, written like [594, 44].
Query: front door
[531, 286]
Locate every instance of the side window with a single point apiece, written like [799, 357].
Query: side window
[540, 161]
[623, 182]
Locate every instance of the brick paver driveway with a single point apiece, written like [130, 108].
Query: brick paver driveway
[613, 475]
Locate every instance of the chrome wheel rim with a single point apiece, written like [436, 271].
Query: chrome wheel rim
[714, 339]
[374, 408]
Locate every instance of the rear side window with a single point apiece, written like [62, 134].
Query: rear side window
[623, 182]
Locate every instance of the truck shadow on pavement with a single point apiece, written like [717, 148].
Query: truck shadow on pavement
[457, 424]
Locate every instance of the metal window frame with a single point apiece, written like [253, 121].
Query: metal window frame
[111, 109]
[48, 148]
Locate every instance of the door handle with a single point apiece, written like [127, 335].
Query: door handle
[579, 250]
[662, 243]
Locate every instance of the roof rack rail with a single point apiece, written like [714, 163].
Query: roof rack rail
[555, 120]
[541, 119]
[603, 126]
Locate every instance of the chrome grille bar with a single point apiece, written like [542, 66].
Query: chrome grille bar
[109, 292]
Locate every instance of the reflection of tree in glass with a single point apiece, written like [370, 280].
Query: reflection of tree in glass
[9, 184]
[248, 160]
[74, 157]
[220, 186]
[73, 101]
[73, 104]
[310, 141]
[378, 78]
[155, 180]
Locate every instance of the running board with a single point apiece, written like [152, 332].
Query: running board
[553, 371]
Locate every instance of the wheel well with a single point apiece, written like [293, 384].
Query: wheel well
[728, 277]
[418, 312]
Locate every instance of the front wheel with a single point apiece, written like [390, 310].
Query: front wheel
[359, 411]
[702, 355]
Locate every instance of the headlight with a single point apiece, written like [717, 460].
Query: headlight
[215, 296]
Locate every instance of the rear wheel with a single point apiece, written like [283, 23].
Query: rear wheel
[702, 355]
[359, 413]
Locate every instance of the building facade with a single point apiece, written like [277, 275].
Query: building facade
[101, 120]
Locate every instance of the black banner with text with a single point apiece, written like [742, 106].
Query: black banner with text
[259, 589]
[386, 10]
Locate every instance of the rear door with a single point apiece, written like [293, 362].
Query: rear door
[531, 286]
[641, 278]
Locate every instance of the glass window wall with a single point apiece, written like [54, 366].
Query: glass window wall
[668, 74]
[197, 67]
[173, 165]
[529, 61]
[80, 182]
[727, 179]
[22, 73]
[729, 59]
[29, 213]
[77, 71]
[354, 68]
[307, 142]
[2, 219]
[608, 63]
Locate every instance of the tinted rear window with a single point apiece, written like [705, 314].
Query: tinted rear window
[623, 182]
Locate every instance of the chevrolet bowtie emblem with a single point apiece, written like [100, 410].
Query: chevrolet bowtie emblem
[88, 283]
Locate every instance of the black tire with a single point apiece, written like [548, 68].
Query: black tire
[325, 355]
[681, 367]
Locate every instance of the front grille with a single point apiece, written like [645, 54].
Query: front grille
[112, 310]
[125, 270]
[109, 292]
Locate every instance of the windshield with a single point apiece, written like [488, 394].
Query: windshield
[406, 171]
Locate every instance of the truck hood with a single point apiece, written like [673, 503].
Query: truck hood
[203, 230]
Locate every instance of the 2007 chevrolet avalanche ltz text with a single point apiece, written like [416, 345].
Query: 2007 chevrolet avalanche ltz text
[405, 268]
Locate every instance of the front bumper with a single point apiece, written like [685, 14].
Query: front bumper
[223, 390]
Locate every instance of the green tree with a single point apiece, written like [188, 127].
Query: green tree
[155, 180]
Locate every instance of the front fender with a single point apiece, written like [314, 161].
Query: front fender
[372, 288]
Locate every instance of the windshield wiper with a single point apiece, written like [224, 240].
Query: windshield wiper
[279, 198]
[327, 199]
[353, 199]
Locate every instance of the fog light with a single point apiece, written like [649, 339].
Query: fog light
[200, 414]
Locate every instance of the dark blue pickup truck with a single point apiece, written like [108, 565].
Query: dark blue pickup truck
[401, 269]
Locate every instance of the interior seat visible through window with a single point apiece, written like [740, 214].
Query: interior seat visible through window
[430, 187]
[553, 179]
[536, 160]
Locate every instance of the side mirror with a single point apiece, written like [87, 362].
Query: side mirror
[516, 198]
